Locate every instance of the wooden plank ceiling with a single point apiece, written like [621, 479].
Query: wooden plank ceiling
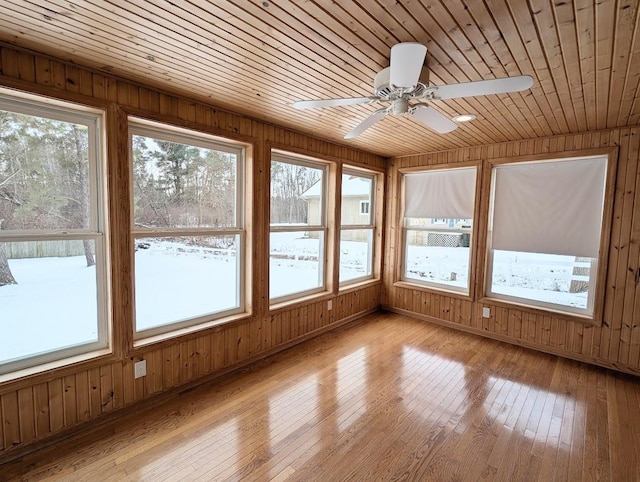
[257, 57]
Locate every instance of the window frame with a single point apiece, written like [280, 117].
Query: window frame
[168, 132]
[600, 272]
[323, 227]
[372, 226]
[97, 230]
[400, 278]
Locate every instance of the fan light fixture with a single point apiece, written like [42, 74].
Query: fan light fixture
[463, 118]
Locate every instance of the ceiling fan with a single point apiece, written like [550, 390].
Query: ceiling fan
[406, 80]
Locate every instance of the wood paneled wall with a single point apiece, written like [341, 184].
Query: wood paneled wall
[47, 404]
[615, 342]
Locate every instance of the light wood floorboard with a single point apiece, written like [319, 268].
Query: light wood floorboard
[388, 398]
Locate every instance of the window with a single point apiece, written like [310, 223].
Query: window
[545, 231]
[54, 289]
[357, 226]
[437, 228]
[297, 250]
[188, 233]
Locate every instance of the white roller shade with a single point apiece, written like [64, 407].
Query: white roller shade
[551, 207]
[447, 194]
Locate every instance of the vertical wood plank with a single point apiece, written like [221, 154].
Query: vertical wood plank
[95, 396]
[106, 388]
[167, 367]
[217, 349]
[10, 419]
[82, 396]
[26, 415]
[118, 385]
[41, 407]
[43, 71]
[70, 400]
[56, 405]
[128, 383]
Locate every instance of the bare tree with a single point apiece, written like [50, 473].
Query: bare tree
[288, 184]
[6, 277]
[81, 164]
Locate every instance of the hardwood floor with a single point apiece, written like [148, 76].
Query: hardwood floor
[389, 398]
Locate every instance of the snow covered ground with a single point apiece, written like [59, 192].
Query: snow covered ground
[295, 262]
[54, 304]
[177, 281]
[540, 277]
[437, 264]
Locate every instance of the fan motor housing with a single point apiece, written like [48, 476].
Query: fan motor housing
[382, 88]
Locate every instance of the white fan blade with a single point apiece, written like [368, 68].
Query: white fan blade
[365, 124]
[406, 64]
[314, 104]
[484, 87]
[434, 119]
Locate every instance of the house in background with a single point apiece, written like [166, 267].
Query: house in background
[356, 205]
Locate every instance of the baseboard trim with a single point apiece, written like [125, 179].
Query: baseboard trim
[495, 336]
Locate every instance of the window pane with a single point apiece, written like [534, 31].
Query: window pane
[296, 194]
[296, 262]
[356, 200]
[48, 297]
[438, 257]
[548, 278]
[44, 173]
[356, 254]
[182, 186]
[183, 277]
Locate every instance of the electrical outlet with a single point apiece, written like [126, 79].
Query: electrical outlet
[329, 305]
[486, 312]
[140, 369]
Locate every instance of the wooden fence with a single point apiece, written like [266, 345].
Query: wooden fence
[43, 249]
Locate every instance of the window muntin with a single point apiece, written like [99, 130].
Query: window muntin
[556, 220]
[438, 227]
[298, 200]
[53, 253]
[189, 236]
[357, 226]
